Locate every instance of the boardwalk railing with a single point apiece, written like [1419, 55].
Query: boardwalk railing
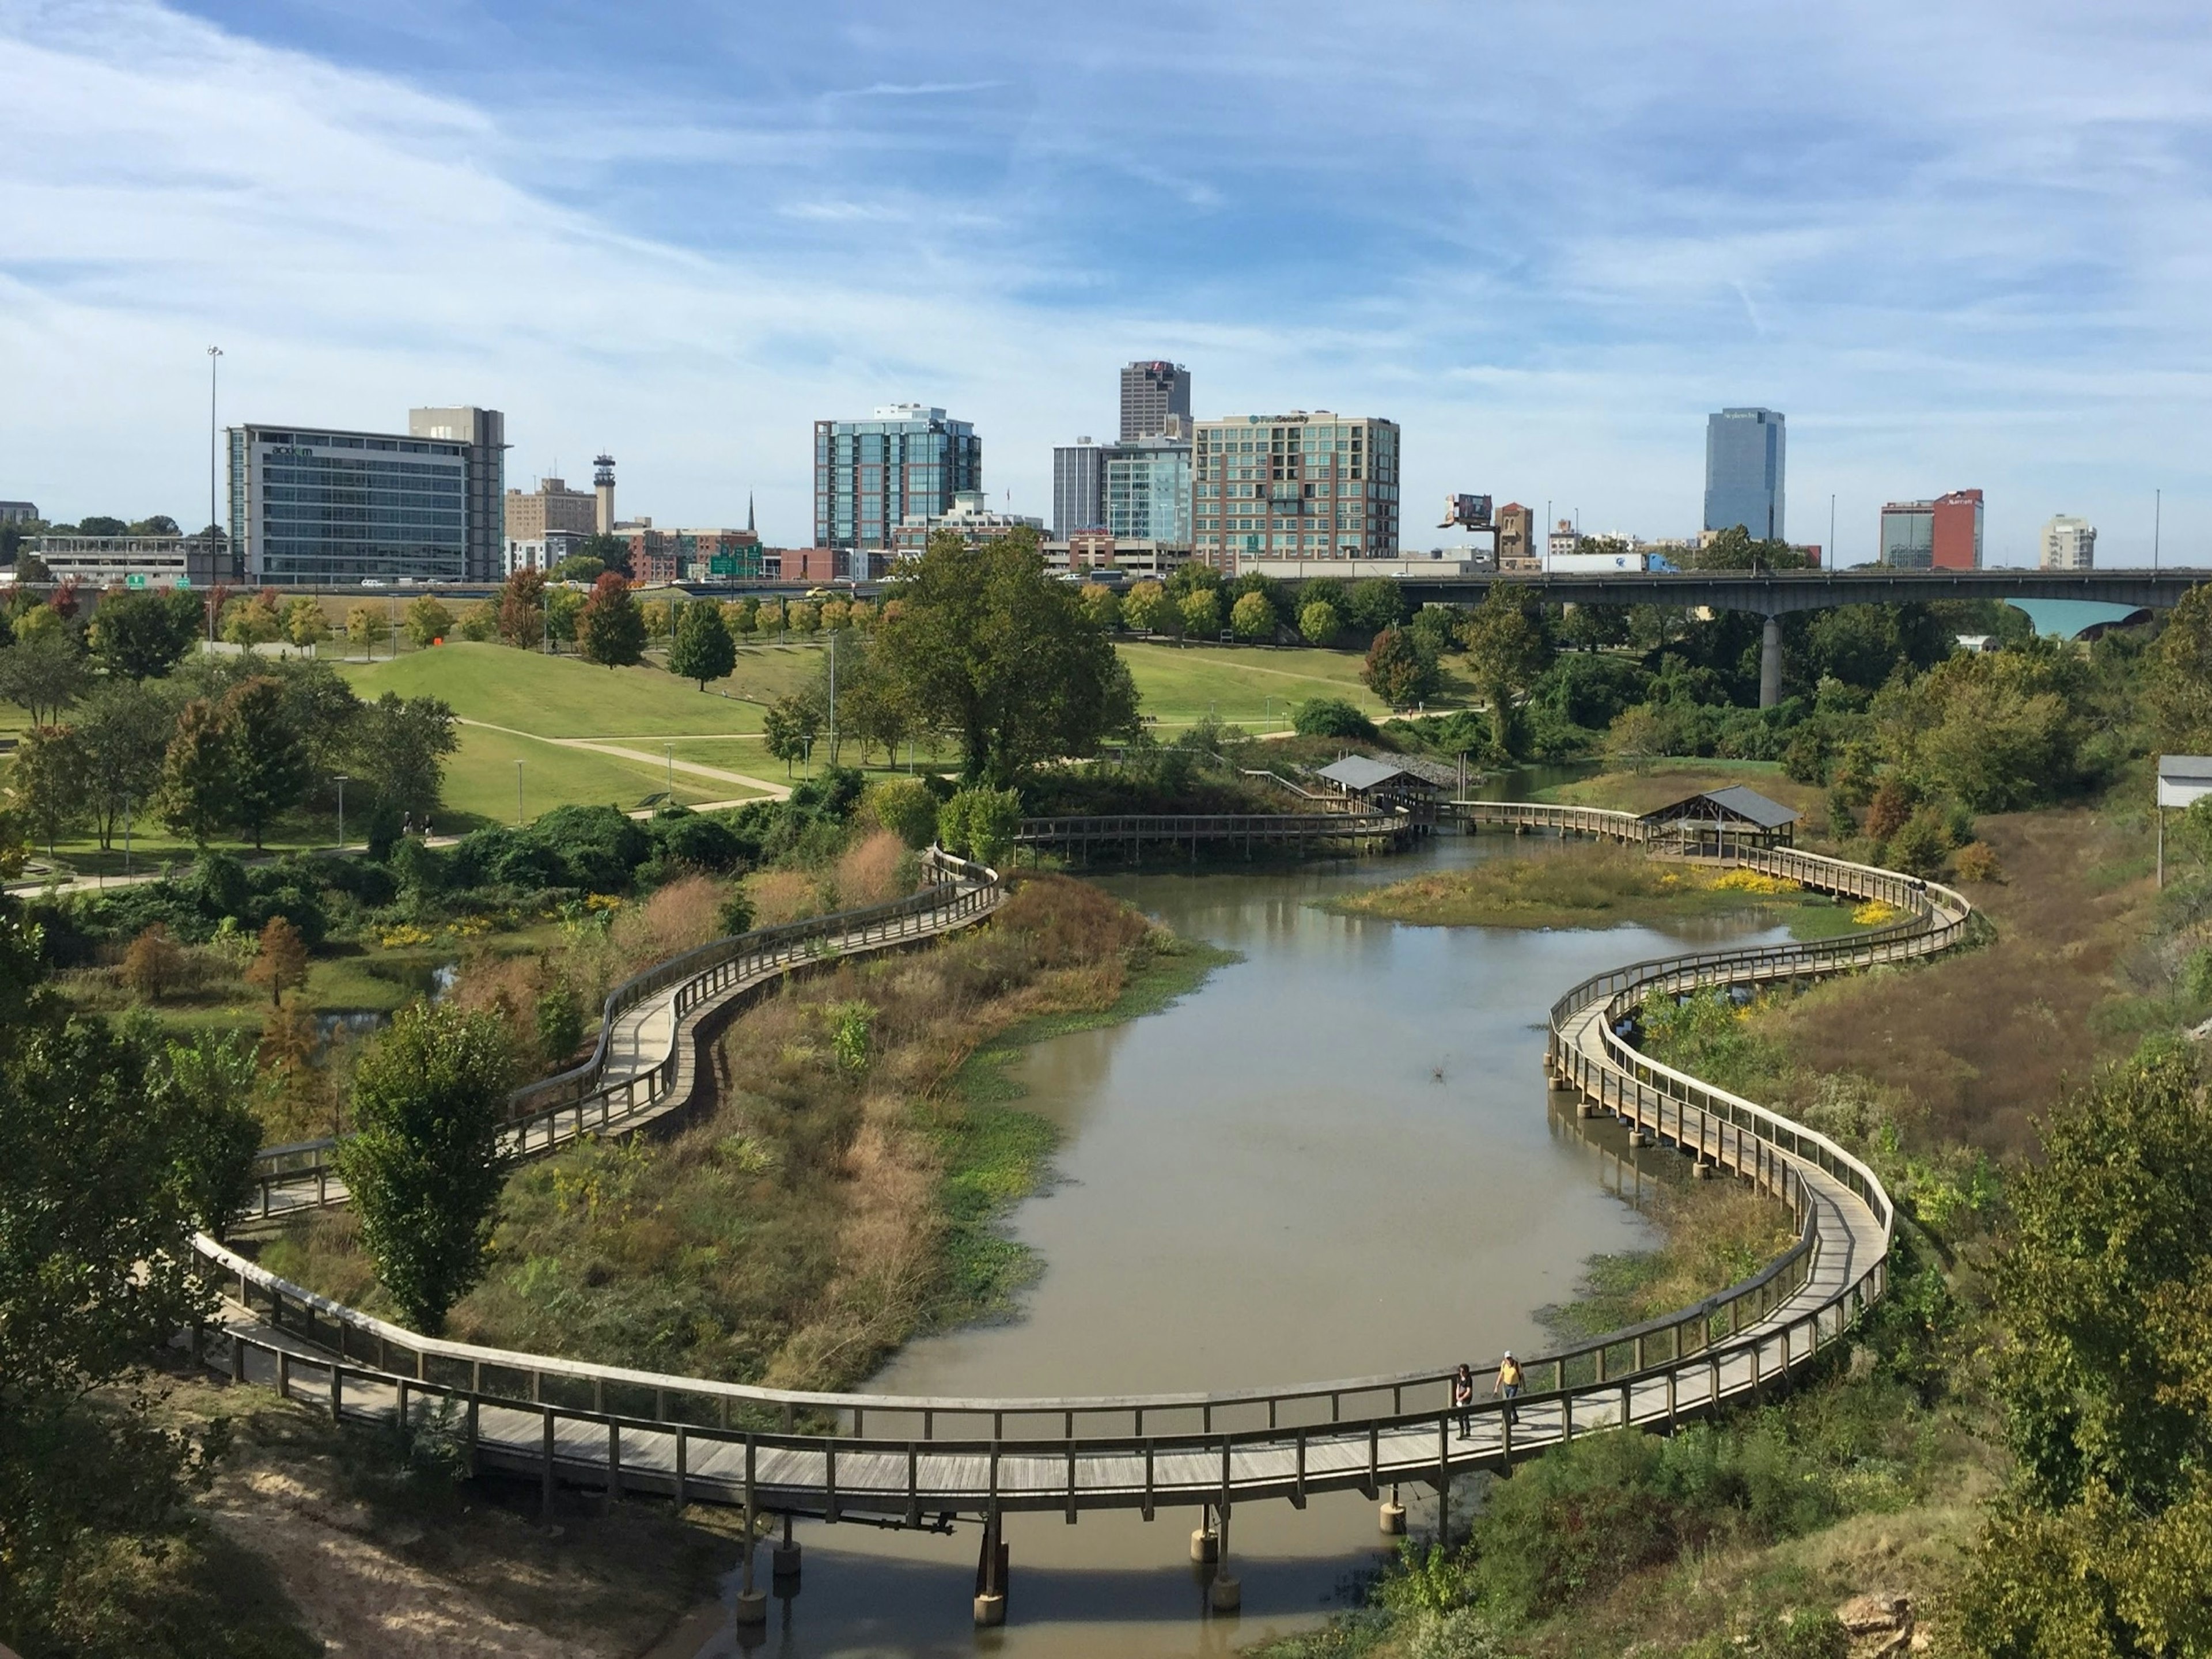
[582, 1100]
[893, 1456]
[1132, 828]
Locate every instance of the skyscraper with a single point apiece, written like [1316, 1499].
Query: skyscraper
[1078, 487]
[870, 474]
[1744, 456]
[1303, 485]
[1155, 400]
[1148, 490]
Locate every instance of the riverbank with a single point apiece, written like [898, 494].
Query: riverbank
[844, 1196]
[1593, 884]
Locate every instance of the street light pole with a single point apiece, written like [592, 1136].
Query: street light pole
[215, 357]
[518, 794]
[342, 781]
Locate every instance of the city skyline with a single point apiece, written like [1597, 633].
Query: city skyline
[1548, 303]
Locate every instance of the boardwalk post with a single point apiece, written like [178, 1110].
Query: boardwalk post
[991, 1573]
[752, 1603]
[545, 1488]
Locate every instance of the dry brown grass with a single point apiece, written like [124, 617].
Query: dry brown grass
[782, 895]
[678, 917]
[868, 873]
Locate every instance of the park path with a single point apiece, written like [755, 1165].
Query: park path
[690, 769]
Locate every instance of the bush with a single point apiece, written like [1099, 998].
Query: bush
[154, 964]
[980, 823]
[1330, 717]
[688, 840]
[1918, 847]
[905, 807]
[1977, 861]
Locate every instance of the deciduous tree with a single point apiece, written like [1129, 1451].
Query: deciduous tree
[144, 635]
[46, 782]
[209, 1084]
[250, 620]
[611, 630]
[196, 794]
[428, 620]
[125, 729]
[399, 751]
[980, 823]
[1319, 624]
[305, 624]
[1402, 669]
[1506, 653]
[43, 672]
[1252, 619]
[986, 643]
[703, 649]
[522, 608]
[1146, 608]
[269, 767]
[1202, 613]
[424, 1167]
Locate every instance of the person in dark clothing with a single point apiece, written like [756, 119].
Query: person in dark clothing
[1463, 1397]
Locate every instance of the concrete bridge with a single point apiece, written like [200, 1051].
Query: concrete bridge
[923, 1462]
[1774, 594]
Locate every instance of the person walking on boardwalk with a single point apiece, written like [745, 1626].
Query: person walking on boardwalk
[1509, 1384]
[1463, 1396]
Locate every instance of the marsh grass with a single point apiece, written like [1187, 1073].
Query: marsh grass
[827, 1210]
[1584, 885]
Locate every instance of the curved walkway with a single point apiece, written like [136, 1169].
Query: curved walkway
[901, 1459]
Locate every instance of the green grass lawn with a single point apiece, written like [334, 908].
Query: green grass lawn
[555, 697]
[480, 780]
[1250, 686]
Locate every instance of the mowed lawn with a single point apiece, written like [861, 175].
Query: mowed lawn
[553, 697]
[480, 780]
[1250, 686]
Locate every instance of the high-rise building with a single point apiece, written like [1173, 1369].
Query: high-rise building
[1942, 534]
[1301, 485]
[1148, 490]
[1744, 462]
[871, 476]
[2069, 545]
[316, 505]
[551, 506]
[1078, 487]
[1516, 538]
[1155, 401]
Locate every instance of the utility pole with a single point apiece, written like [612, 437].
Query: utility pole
[1831, 530]
[215, 357]
[518, 794]
[2157, 512]
[833, 696]
[342, 781]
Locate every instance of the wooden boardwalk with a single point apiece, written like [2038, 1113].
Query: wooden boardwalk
[906, 1459]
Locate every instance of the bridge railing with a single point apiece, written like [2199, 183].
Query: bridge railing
[536, 1112]
[903, 1478]
[1762, 1145]
[1209, 826]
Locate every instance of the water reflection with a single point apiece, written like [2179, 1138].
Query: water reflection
[1337, 1158]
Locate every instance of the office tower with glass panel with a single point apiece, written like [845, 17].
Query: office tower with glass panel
[870, 476]
[319, 506]
[1301, 485]
[1148, 490]
[1942, 534]
[1744, 456]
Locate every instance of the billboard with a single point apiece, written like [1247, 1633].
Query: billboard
[1466, 512]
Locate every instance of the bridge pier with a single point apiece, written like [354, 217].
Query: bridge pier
[1205, 1546]
[1770, 663]
[784, 1562]
[991, 1564]
[1391, 1518]
[1225, 1595]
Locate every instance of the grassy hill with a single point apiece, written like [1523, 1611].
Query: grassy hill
[1240, 685]
[553, 697]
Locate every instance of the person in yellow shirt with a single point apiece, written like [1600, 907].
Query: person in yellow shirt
[1509, 1384]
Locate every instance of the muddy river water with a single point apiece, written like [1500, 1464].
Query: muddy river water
[1333, 1159]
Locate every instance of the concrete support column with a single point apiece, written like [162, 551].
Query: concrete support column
[784, 1562]
[991, 1576]
[1225, 1595]
[1770, 663]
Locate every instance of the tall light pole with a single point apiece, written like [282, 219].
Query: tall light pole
[2157, 512]
[518, 794]
[215, 357]
[342, 781]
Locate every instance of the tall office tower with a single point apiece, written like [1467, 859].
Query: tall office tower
[2069, 545]
[1148, 490]
[1155, 401]
[316, 505]
[1744, 457]
[484, 431]
[1301, 485]
[1942, 534]
[870, 474]
[1078, 487]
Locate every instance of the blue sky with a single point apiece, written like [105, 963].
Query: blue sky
[1958, 244]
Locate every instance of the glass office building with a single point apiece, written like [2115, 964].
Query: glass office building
[1942, 534]
[1745, 454]
[870, 476]
[1301, 485]
[1078, 487]
[317, 507]
[1148, 491]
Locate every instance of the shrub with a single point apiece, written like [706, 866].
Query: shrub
[736, 914]
[905, 807]
[1977, 861]
[693, 841]
[1330, 717]
[1919, 846]
[980, 823]
[560, 1022]
[1887, 811]
[868, 873]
